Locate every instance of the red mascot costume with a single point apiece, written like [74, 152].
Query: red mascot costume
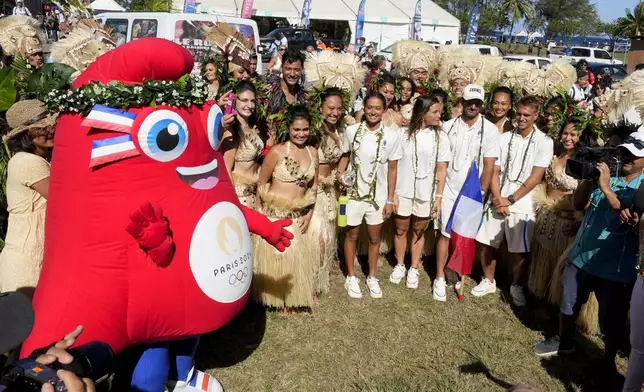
[145, 238]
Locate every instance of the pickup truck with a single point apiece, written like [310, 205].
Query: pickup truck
[298, 38]
[592, 55]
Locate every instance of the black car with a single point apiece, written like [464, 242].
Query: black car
[616, 71]
[298, 38]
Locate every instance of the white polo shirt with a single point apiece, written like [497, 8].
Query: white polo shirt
[425, 158]
[539, 152]
[365, 150]
[465, 144]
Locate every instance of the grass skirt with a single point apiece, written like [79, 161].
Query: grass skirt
[323, 226]
[245, 188]
[549, 242]
[286, 279]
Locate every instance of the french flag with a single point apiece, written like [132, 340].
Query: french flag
[464, 223]
[202, 381]
[111, 119]
[112, 149]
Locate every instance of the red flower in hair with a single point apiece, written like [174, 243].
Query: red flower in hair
[542, 100]
[282, 110]
[421, 91]
[436, 71]
[569, 110]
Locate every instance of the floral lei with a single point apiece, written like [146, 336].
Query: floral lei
[184, 92]
[355, 163]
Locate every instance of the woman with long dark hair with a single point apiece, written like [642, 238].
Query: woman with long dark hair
[30, 141]
[373, 148]
[387, 88]
[287, 188]
[422, 172]
[407, 90]
[500, 113]
[243, 142]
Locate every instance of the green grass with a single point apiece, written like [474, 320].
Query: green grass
[403, 342]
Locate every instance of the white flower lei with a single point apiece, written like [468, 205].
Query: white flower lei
[355, 163]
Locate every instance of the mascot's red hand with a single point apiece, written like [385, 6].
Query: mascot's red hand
[150, 229]
[273, 232]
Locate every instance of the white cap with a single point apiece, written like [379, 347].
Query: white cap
[635, 144]
[473, 91]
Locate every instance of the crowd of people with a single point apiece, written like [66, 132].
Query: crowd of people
[376, 163]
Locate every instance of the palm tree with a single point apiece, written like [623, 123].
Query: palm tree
[517, 10]
[633, 23]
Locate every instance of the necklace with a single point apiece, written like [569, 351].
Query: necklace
[506, 170]
[455, 162]
[433, 154]
[371, 177]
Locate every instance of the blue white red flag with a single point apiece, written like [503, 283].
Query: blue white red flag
[464, 223]
[112, 149]
[110, 119]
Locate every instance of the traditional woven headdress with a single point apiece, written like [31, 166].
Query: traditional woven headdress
[513, 74]
[408, 55]
[474, 69]
[330, 69]
[234, 47]
[634, 84]
[614, 103]
[83, 45]
[21, 35]
[454, 51]
[560, 75]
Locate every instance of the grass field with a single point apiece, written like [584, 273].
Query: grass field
[404, 342]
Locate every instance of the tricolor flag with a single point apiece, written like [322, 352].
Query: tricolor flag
[112, 149]
[202, 381]
[110, 119]
[464, 223]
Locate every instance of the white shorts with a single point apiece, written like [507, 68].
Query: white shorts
[518, 229]
[447, 204]
[408, 207]
[359, 210]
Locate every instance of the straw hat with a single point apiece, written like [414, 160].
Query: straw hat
[25, 115]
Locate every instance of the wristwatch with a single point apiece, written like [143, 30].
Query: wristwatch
[511, 199]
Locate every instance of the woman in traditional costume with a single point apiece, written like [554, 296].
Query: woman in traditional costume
[415, 60]
[210, 72]
[30, 139]
[244, 139]
[422, 173]
[336, 79]
[236, 51]
[287, 188]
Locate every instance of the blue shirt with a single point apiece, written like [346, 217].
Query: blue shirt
[603, 246]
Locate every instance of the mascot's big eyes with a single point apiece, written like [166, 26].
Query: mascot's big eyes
[215, 127]
[163, 135]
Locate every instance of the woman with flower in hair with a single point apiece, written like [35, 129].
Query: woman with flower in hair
[30, 139]
[287, 187]
[553, 116]
[244, 139]
[385, 84]
[422, 173]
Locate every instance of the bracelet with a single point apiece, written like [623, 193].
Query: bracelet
[439, 196]
[389, 202]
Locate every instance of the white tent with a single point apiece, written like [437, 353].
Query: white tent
[106, 5]
[386, 21]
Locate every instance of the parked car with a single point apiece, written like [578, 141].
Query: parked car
[386, 52]
[616, 71]
[540, 62]
[592, 55]
[298, 38]
[485, 49]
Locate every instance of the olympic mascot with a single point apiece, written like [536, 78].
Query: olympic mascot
[146, 241]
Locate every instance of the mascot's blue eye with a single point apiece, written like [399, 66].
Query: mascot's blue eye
[163, 135]
[215, 127]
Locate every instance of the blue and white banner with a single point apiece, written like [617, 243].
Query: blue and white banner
[360, 21]
[473, 27]
[305, 19]
[418, 22]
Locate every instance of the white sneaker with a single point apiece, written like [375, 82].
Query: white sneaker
[374, 287]
[397, 274]
[438, 293]
[412, 278]
[352, 285]
[518, 297]
[484, 288]
[199, 382]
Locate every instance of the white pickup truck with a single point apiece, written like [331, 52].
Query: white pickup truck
[592, 55]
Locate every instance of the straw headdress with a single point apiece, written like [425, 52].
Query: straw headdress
[454, 51]
[28, 114]
[21, 35]
[473, 68]
[634, 84]
[330, 69]
[408, 55]
[513, 74]
[560, 75]
[235, 48]
[614, 103]
[83, 45]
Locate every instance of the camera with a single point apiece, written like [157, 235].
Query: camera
[583, 165]
[94, 360]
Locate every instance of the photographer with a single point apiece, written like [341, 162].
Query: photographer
[603, 255]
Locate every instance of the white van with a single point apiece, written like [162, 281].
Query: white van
[484, 49]
[184, 29]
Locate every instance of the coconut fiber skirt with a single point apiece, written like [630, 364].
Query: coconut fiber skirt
[323, 227]
[245, 188]
[286, 279]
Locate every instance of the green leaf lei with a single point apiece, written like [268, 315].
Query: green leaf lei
[355, 163]
[315, 98]
[284, 120]
[184, 92]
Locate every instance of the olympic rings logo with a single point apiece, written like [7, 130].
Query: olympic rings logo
[238, 278]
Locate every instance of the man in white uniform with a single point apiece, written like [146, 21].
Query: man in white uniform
[472, 139]
[525, 154]
[20, 9]
[373, 150]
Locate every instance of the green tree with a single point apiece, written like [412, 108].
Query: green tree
[611, 29]
[491, 19]
[517, 10]
[566, 17]
[633, 23]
